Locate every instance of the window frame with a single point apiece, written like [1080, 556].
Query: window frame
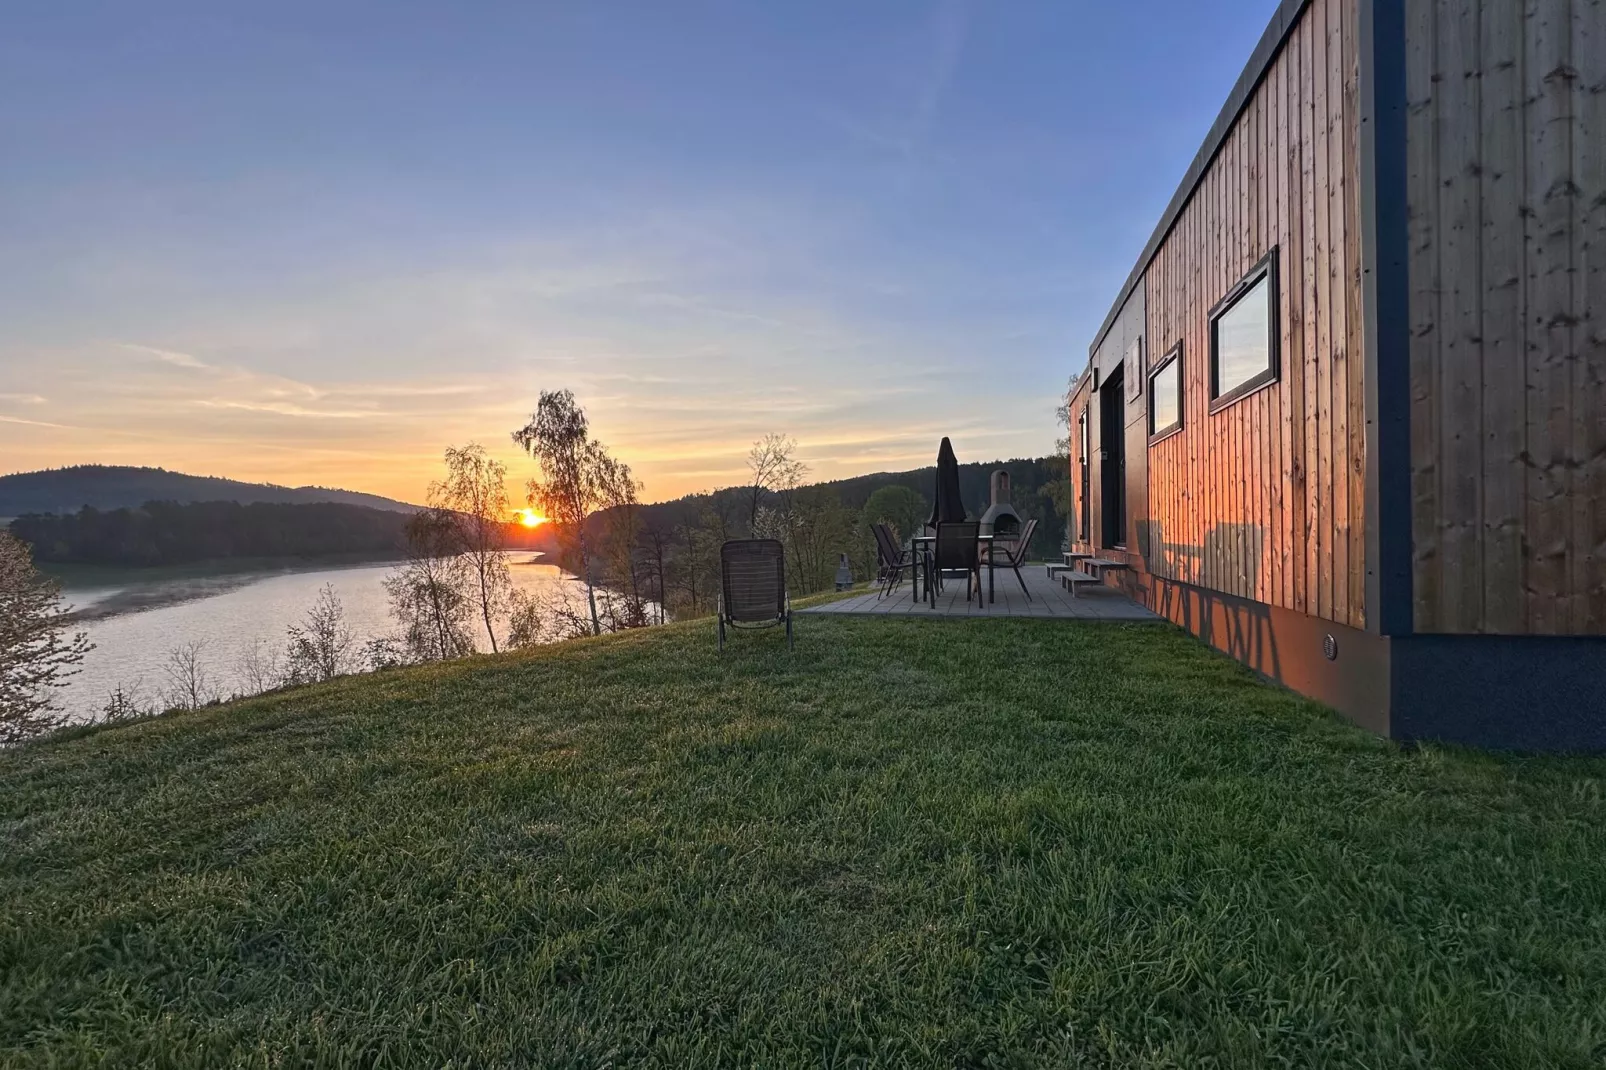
[1265, 268]
[1172, 356]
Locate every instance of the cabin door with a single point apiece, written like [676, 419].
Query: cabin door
[1112, 454]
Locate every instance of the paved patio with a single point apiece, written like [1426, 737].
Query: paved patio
[1048, 599]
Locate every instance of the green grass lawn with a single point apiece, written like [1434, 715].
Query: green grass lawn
[911, 842]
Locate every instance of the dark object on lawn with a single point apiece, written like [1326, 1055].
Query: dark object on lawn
[948, 507]
[891, 559]
[956, 550]
[1011, 557]
[752, 586]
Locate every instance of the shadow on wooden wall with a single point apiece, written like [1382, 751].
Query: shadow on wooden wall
[1230, 621]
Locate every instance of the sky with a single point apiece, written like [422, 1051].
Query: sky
[319, 243]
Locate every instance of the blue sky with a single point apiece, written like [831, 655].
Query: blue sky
[321, 242]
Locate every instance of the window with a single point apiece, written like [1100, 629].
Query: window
[1165, 395]
[1243, 335]
[1085, 483]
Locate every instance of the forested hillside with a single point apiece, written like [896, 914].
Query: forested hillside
[167, 533]
[66, 490]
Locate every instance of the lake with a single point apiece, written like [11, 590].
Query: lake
[135, 621]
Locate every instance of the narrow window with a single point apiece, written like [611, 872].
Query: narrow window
[1165, 395]
[1243, 335]
[1085, 483]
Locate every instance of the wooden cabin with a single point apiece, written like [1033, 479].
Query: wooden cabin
[1346, 420]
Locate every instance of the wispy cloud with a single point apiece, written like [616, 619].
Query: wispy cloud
[169, 356]
[286, 409]
[35, 423]
[22, 399]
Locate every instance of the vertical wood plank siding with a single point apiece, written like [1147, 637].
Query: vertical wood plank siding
[1507, 209]
[1265, 498]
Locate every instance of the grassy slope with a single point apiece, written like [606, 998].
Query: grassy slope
[929, 842]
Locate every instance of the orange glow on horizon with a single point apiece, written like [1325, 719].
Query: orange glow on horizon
[530, 518]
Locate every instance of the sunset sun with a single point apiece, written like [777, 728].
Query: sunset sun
[530, 518]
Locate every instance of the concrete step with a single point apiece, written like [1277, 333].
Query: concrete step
[1072, 580]
[1104, 564]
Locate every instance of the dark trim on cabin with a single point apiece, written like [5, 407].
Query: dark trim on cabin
[1265, 268]
[1172, 356]
[1385, 304]
[1282, 24]
[1512, 692]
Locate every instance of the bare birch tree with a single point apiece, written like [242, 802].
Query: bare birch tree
[428, 592]
[622, 527]
[36, 654]
[189, 685]
[259, 667]
[578, 477]
[475, 490]
[526, 621]
[320, 648]
[775, 468]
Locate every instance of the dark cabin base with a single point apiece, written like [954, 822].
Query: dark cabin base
[1512, 692]
[1536, 693]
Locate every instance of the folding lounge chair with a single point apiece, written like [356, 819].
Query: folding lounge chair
[752, 586]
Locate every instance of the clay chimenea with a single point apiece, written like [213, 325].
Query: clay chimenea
[1000, 518]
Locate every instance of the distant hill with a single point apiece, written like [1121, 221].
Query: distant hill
[66, 490]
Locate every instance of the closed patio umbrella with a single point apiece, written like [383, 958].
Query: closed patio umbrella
[947, 507]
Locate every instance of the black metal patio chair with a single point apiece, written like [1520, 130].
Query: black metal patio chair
[752, 586]
[956, 550]
[1012, 556]
[892, 560]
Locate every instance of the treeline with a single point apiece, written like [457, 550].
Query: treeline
[669, 552]
[167, 533]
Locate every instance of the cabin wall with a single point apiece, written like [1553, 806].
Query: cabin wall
[1265, 499]
[1506, 192]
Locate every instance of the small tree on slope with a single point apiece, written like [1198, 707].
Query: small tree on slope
[36, 656]
[474, 490]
